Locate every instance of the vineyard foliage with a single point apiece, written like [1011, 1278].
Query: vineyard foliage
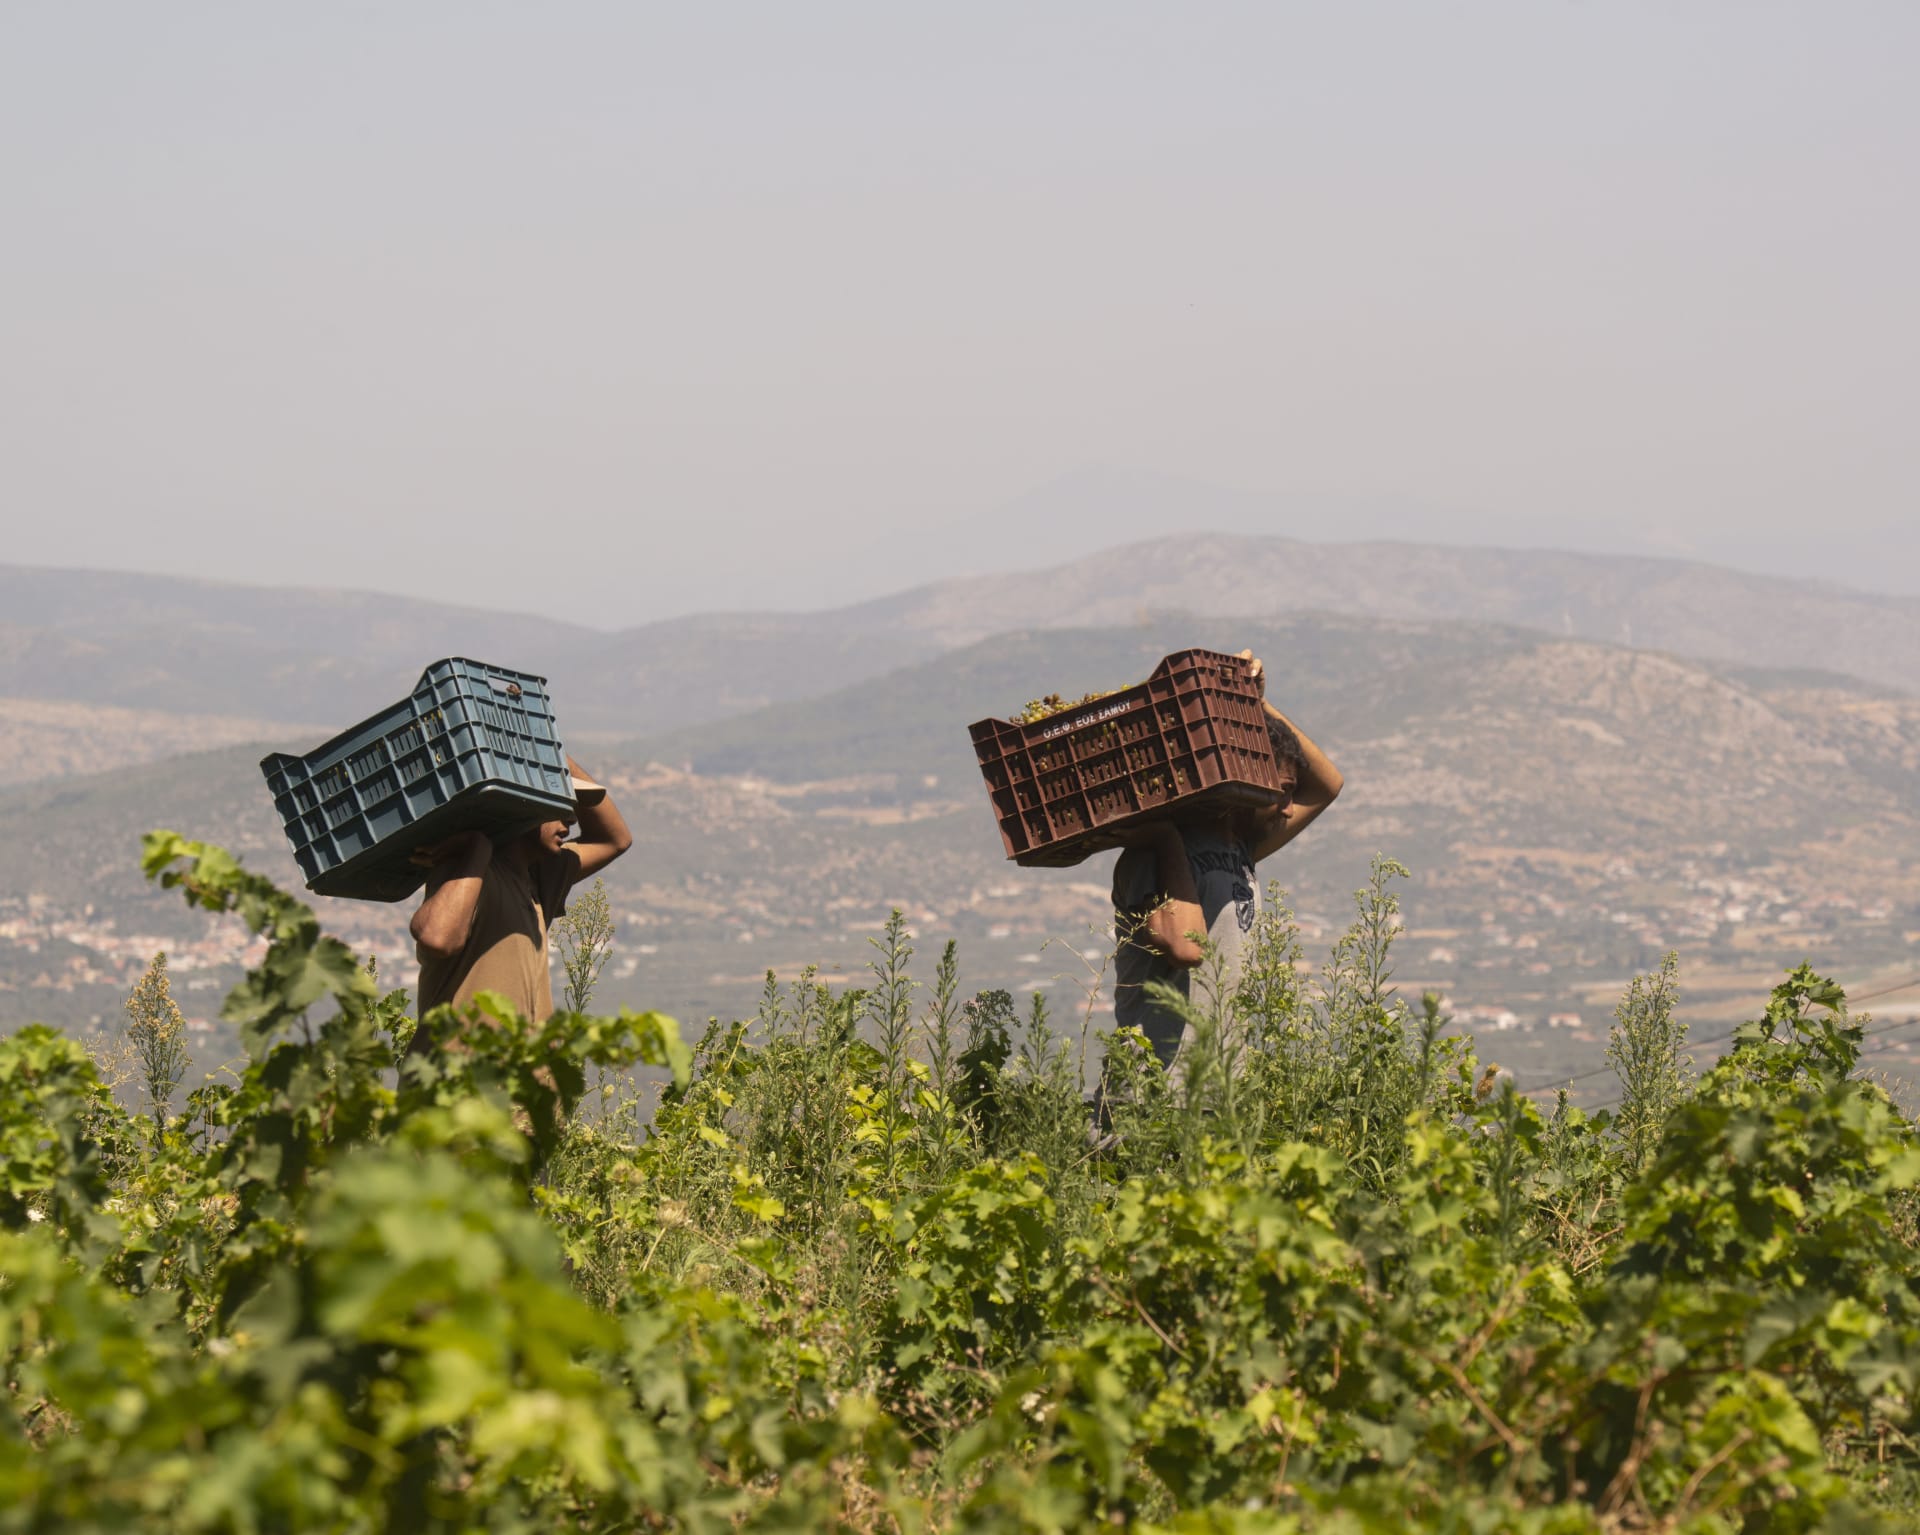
[860, 1262]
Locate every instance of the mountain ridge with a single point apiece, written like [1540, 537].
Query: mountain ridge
[1638, 600]
[302, 654]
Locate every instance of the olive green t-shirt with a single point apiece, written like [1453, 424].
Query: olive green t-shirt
[506, 949]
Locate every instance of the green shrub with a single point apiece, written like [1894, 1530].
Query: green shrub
[861, 1262]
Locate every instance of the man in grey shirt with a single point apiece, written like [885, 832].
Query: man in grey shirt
[1186, 897]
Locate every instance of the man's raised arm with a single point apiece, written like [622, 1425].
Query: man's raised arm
[445, 919]
[1319, 786]
[603, 830]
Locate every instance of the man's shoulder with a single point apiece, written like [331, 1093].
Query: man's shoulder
[1210, 844]
[554, 874]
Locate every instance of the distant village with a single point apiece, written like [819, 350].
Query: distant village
[1514, 944]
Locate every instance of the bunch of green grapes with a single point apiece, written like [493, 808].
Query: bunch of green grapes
[1045, 708]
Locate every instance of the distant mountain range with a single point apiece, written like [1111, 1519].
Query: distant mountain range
[298, 656]
[1688, 609]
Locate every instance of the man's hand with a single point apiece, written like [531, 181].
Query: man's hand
[587, 790]
[1258, 671]
[603, 830]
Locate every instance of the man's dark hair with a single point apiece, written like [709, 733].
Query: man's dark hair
[1286, 747]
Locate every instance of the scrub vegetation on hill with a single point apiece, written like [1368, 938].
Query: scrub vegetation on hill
[861, 1266]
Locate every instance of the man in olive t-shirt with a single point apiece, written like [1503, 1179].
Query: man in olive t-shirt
[483, 924]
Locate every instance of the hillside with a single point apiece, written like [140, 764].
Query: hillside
[273, 653]
[47, 739]
[1489, 722]
[1570, 811]
[292, 655]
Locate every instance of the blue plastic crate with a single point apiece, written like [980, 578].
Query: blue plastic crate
[473, 747]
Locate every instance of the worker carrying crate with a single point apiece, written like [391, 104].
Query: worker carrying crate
[1198, 778]
[463, 787]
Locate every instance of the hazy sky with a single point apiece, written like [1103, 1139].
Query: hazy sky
[637, 309]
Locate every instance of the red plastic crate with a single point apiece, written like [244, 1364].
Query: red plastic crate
[1192, 737]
